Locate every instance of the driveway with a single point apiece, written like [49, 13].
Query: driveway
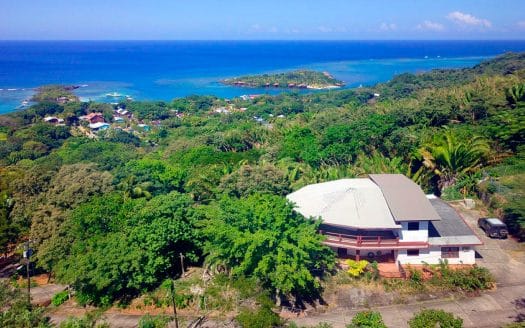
[505, 258]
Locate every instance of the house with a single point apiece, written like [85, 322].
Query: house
[93, 118]
[387, 218]
[53, 120]
[99, 126]
[144, 127]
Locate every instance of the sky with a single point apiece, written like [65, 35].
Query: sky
[261, 20]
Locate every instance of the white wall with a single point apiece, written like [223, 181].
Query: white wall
[433, 255]
[415, 235]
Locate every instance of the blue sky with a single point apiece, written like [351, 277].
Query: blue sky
[268, 19]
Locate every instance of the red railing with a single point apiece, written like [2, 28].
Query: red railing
[367, 241]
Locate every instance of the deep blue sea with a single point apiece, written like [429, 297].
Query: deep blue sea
[169, 69]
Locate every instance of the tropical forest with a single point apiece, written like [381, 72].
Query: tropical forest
[181, 205]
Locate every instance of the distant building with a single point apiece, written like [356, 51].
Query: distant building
[93, 118]
[53, 120]
[144, 127]
[99, 126]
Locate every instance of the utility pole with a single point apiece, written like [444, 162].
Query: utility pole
[182, 263]
[174, 304]
[27, 255]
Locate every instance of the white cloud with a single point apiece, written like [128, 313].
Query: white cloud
[387, 27]
[430, 26]
[467, 19]
[273, 29]
[521, 24]
[324, 29]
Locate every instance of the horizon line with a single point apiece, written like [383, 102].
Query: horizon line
[262, 40]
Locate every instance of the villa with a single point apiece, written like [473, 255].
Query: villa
[387, 218]
[93, 118]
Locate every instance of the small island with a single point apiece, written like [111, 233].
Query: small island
[301, 79]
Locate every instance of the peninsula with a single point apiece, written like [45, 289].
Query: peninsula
[301, 79]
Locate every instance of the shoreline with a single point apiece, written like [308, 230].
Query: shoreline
[366, 72]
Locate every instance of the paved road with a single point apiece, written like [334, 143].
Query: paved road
[42, 294]
[504, 258]
[491, 309]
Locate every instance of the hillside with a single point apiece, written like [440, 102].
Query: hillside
[109, 208]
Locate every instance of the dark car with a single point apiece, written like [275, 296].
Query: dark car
[493, 227]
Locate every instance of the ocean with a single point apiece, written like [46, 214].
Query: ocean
[165, 70]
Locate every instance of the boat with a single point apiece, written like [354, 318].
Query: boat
[113, 94]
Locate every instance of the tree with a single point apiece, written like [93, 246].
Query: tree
[76, 183]
[432, 318]
[447, 157]
[300, 144]
[263, 237]
[119, 249]
[250, 179]
[15, 312]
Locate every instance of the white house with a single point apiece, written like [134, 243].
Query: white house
[387, 218]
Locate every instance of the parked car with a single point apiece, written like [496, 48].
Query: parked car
[493, 227]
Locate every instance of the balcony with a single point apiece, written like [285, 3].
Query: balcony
[369, 240]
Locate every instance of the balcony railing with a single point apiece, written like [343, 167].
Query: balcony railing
[369, 241]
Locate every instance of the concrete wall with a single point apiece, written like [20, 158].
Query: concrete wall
[415, 235]
[433, 255]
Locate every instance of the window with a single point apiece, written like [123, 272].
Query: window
[412, 252]
[449, 252]
[413, 226]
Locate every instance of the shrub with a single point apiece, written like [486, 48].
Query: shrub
[59, 298]
[158, 321]
[432, 318]
[263, 317]
[356, 268]
[367, 319]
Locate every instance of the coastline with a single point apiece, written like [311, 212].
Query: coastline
[365, 72]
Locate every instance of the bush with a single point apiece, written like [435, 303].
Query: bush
[263, 317]
[432, 318]
[158, 321]
[367, 319]
[59, 298]
[356, 268]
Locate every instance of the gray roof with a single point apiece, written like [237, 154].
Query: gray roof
[404, 197]
[356, 203]
[452, 229]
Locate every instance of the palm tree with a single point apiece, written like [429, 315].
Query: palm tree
[515, 94]
[378, 163]
[447, 157]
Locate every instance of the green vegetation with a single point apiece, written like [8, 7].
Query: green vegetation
[110, 213]
[441, 277]
[59, 298]
[55, 93]
[367, 319]
[149, 321]
[262, 317]
[15, 312]
[432, 318]
[293, 79]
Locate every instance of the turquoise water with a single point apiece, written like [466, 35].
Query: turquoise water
[166, 70]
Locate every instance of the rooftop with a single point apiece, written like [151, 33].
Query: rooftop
[355, 203]
[452, 229]
[406, 200]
